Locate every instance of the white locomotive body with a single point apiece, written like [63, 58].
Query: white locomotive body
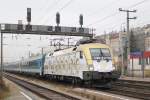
[86, 62]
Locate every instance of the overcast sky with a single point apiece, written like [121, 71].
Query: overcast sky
[103, 15]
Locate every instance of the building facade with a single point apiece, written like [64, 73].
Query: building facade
[139, 65]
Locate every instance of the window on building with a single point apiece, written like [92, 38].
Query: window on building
[147, 61]
[140, 61]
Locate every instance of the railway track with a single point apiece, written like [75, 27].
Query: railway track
[135, 84]
[135, 89]
[41, 91]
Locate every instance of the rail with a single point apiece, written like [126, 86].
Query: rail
[41, 91]
[135, 89]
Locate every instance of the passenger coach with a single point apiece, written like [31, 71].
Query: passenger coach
[32, 65]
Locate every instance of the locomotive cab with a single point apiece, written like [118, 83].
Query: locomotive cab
[102, 60]
[100, 63]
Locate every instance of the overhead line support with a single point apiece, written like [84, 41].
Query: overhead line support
[128, 34]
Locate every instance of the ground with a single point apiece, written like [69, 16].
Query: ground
[4, 89]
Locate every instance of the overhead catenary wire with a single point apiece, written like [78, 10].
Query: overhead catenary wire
[67, 4]
[42, 8]
[113, 14]
[138, 3]
[105, 7]
[142, 18]
[142, 23]
[62, 8]
[47, 10]
[113, 27]
[104, 18]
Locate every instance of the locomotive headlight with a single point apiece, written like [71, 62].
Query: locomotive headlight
[91, 68]
[113, 67]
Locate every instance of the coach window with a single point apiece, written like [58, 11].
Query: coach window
[40, 63]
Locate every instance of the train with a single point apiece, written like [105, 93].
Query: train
[32, 65]
[89, 63]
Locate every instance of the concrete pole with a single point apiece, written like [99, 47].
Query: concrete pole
[128, 41]
[1, 72]
[143, 59]
[121, 50]
[132, 68]
[128, 33]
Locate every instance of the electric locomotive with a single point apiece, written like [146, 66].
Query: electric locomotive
[89, 63]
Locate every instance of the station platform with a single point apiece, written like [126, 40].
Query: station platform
[16, 92]
[135, 78]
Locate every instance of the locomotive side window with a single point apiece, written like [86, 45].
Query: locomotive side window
[81, 54]
[74, 49]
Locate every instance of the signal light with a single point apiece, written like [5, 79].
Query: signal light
[57, 18]
[28, 15]
[81, 19]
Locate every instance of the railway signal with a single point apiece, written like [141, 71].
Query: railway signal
[81, 19]
[28, 15]
[40, 30]
[57, 18]
[28, 27]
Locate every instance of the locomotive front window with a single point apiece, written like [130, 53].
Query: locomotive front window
[97, 53]
[105, 52]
